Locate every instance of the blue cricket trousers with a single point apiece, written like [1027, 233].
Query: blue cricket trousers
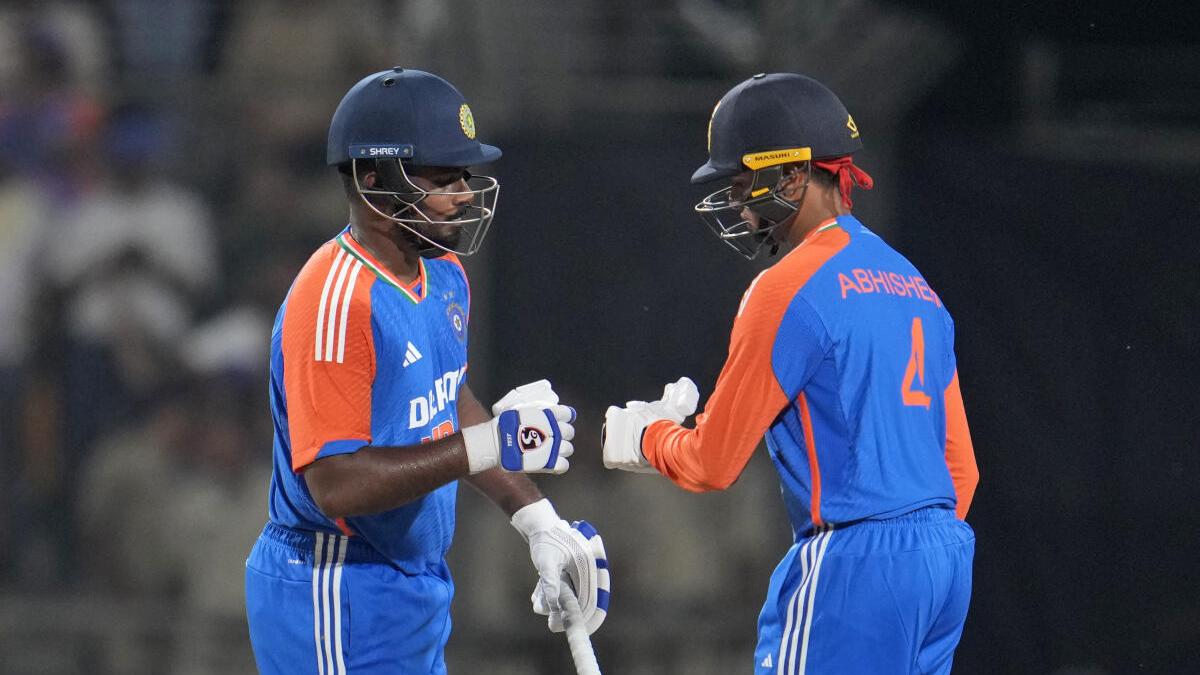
[325, 604]
[879, 597]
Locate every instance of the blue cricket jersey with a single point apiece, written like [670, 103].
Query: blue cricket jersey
[843, 357]
[360, 358]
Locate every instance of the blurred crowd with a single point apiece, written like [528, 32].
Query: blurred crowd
[153, 209]
[160, 184]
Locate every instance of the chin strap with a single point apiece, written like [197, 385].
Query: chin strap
[848, 175]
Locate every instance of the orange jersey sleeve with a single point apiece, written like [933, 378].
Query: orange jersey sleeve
[328, 357]
[748, 396]
[960, 453]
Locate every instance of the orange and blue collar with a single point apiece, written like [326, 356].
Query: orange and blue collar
[415, 290]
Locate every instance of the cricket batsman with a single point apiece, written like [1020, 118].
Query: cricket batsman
[374, 420]
[842, 356]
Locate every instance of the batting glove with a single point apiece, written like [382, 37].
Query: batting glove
[623, 427]
[531, 433]
[565, 554]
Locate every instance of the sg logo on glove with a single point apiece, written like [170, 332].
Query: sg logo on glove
[531, 438]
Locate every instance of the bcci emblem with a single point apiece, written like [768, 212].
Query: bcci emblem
[458, 321]
[466, 120]
[851, 126]
[530, 438]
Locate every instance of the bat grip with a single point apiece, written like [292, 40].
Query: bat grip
[577, 634]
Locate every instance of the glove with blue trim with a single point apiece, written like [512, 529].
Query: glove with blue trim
[531, 433]
[565, 553]
[621, 437]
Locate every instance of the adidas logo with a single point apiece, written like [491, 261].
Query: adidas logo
[411, 355]
[767, 663]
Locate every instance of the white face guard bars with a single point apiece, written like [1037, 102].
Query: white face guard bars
[461, 235]
[722, 212]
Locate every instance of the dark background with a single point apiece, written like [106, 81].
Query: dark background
[1036, 161]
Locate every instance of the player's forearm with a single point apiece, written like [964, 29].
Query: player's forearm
[509, 491]
[681, 455]
[378, 479]
[713, 454]
[746, 399]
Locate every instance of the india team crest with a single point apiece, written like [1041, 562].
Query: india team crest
[458, 320]
[466, 120]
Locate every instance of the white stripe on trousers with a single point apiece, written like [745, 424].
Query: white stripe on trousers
[329, 553]
[812, 553]
[781, 661]
[318, 558]
[337, 605]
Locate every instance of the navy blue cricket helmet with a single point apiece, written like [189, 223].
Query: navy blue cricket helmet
[787, 113]
[401, 118]
[764, 124]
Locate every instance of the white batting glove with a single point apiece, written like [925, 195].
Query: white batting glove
[565, 553]
[623, 427]
[535, 393]
[531, 433]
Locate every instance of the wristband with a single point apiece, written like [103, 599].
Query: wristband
[535, 517]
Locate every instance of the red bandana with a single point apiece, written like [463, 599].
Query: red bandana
[848, 175]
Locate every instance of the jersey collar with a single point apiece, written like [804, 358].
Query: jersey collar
[828, 224]
[415, 290]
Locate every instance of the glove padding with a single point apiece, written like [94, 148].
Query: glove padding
[623, 427]
[531, 433]
[571, 554]
[577, 553]
[535, 393]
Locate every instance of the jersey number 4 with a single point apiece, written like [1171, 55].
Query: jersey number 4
[915, 369]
